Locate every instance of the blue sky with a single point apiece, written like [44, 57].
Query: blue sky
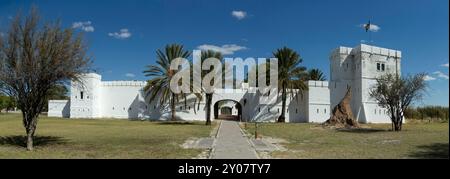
[124, 35]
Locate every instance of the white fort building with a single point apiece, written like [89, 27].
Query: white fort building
[356, 67]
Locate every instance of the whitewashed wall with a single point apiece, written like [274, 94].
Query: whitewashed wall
[123, 99]
[58, 108]
[318, 101]
[355, 67]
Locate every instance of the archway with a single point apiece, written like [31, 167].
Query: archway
[228, 109]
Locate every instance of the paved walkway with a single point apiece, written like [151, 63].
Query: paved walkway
[232, 144]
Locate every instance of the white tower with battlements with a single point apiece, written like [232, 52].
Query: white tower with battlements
[358, 68]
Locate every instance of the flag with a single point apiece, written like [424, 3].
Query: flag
[367, 26]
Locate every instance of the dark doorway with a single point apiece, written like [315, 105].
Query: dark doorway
[228, 111]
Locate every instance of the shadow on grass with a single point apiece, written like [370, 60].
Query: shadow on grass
[21, 141]
[176, 123]
[361, 130]
[433, 151]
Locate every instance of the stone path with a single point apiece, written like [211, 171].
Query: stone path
[231, 143]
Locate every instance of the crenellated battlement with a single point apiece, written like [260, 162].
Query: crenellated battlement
[323, 84]
[367, 49]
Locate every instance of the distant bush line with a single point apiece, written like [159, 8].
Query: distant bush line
[428, 113]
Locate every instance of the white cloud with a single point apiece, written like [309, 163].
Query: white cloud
[428, 78]
[123, 34]
[130, 75]
[372, 27]
[366, 41]
[227, 49]
[445, 65]
[85, 26]
[441, 75]
[239, 14]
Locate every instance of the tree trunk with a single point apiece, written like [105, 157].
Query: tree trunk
[173, 107]
[397, 122]
[30, 128]
[282, 117]
[397, 126]
[30, 140]
[208, 109]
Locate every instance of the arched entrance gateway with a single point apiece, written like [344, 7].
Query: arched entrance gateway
[228, 109]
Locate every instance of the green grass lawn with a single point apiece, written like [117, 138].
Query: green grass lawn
[417, 140]
[78, 138]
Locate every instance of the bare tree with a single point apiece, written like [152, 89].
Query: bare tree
[396, 93]
[36, 57]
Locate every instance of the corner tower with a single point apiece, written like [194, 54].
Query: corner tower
[85, 96]
[359, 68]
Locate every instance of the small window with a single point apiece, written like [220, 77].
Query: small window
[154, 107]
[81, 95]
[181, 107]
[278, 110]
[378, 66]
[129, 109]
[189, 108]
[268, 109]
[75, 97]
[375, 111]
[287, 111]
[382, 67]
[325, 111]
[259, 109]
[296, 111]
[317, 111]
[124, 109]
[87, 97]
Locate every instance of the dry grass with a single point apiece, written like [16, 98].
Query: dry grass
[417, 140]
[77, 138]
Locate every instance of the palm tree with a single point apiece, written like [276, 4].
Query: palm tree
[159, 84]
[209, 96]
[290, 75]
[316, 75]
